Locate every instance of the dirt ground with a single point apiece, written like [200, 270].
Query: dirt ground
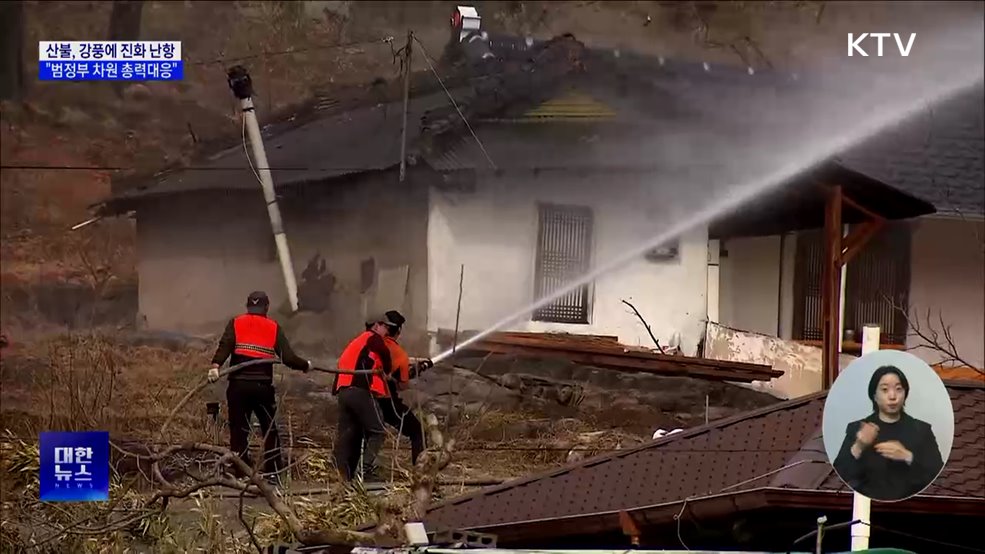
[128, 384]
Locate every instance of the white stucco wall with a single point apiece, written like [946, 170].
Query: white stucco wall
[948, 277]
[200, 255]
[800, 363]
[750, 284]
[756, 285]
[493, 232]
[197, 259]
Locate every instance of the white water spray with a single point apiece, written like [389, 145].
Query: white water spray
[742, 194]
[875, 120]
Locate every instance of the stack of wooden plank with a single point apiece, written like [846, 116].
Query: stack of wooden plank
[606, 352]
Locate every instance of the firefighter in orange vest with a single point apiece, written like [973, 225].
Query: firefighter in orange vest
[254, 336]
[392, 408]
[395, 413]
[359, 414]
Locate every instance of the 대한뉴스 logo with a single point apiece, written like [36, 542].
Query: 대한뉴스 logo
[855, 43]
[74, 466]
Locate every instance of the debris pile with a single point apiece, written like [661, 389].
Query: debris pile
[607, 352]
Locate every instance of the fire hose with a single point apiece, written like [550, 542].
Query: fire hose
[243, 365]
[334, 371]
[238, 367]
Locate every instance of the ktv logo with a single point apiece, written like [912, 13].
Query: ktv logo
[855, 43]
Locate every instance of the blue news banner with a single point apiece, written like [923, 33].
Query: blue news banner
[110, 61]
[74, 466]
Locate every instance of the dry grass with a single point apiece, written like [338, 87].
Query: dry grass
[344, 507]
[93, 380]
[505, 445]
[27, 523]
[96, 381]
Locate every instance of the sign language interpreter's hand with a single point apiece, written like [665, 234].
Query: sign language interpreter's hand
[894, 450]
[864, 438]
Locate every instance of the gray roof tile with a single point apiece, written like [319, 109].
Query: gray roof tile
[938, 155]
[938, 159]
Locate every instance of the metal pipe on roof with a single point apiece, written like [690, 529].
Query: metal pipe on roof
[87, 222]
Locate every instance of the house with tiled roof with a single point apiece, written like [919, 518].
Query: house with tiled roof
[933, 265]
[531, 162]
[757, 481]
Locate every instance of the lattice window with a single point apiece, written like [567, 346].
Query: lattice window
[878, 277]
[564, 245]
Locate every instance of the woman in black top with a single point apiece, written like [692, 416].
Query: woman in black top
[889, 455]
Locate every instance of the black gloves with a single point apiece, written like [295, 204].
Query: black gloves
[424, 365]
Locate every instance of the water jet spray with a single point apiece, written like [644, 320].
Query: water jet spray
[875, 121]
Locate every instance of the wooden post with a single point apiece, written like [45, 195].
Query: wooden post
[862, 505]
[839, 248]
[831, 286]
[630, 528]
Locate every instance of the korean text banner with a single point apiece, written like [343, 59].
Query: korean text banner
[74, 466]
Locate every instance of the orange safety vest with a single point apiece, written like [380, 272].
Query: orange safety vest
[399, 362]
[256, 336]
[350, 360]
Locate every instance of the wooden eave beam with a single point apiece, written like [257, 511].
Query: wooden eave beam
[858, 238]
[630, 528]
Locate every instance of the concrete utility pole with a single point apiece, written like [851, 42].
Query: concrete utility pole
[242, 87]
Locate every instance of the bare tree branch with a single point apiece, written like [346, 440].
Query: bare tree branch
[249, 527]
[190, 468]
[646, 325]
[937, 338]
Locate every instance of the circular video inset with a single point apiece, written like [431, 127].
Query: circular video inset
[888, 425]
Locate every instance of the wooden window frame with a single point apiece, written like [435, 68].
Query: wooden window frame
[867, 277]
[564, 240]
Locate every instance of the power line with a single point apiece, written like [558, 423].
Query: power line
[267, 54]
[388, 40]
[427, 59]
[827, 528]
[176, 169]
[923, 539]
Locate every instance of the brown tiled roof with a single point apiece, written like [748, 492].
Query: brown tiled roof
[775, 447]
[964, 474]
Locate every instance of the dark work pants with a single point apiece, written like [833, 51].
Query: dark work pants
[392, 409]
[246, 398]
[359, 417]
